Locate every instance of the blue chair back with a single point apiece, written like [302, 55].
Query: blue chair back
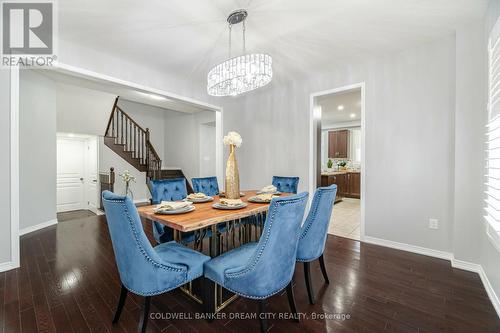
[168, 190]
[173, 189]
[207, 185]
[141, 270]
[271, 266]
[286, 184]
[314, 231]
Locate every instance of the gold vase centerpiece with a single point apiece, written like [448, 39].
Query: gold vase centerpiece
[232, 179]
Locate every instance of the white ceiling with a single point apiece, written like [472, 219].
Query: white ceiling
[125, 92]
[187, 37]
[351, 105]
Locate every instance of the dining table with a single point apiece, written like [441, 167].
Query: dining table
[220, 229]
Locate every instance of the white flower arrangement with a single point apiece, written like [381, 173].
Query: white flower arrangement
[233, 138]
[127, 177]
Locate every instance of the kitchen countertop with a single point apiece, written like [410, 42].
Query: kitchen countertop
[334, 173]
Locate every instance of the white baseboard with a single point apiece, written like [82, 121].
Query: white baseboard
[476, 268]
[27, 230]
[408, 247]
[7, 266]
[456, 263]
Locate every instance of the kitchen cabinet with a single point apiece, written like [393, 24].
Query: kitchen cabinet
[354, 183]
[338, 143]
[348, 184]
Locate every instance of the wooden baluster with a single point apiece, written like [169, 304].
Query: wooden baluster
[113, 124]
[121, 128]
[148, 158]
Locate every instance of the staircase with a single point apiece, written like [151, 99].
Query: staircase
[129, 140]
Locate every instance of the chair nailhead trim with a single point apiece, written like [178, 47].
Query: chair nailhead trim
[256, 259]
[143, 252]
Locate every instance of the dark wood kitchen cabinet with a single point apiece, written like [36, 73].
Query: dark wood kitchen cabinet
[338, 142]
[354, 181]
[348, 184]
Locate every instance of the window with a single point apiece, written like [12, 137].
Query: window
[493, 139]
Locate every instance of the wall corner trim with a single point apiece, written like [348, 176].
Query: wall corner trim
[7, 266]
[477, 268]
[455, 263]
[39, 226]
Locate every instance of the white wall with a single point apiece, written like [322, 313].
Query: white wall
[37, 149]
[5, 199]
[409, 130]
[182, 137]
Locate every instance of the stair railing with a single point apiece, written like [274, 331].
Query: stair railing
[134, 139]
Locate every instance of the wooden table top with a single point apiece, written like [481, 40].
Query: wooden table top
[205, 215]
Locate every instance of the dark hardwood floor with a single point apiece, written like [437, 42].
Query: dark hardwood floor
[68, 282]
[74, 215]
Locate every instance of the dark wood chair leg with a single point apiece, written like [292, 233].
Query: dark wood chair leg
[323, 269]
[291, 301]
[307, 275]
[143, 323]
[121, 303]
[263, 315]
[209, 299]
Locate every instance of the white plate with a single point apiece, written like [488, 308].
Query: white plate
[219, 206]
[275, 193]
[175, 211]
[200, 200]
[257, 200]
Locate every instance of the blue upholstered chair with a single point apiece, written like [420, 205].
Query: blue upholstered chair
[286, 184]
[145, 270]
[260, 270]
[283, 184]
[168, 190]
[207, 185]
[314, 232]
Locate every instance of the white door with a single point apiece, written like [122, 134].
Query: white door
[71, 174]
[92, 174]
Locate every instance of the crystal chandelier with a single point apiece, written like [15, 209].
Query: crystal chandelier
[240, 74]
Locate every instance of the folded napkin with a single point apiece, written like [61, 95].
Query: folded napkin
[230, 202]
[266, 196]
[198, 195]
[269, 189]
[173, 205]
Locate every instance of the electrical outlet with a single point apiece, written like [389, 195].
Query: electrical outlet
[433, 224]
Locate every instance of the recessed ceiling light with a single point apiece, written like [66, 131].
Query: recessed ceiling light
[340, 107]
[352, 115]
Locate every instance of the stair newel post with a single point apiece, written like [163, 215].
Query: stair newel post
[112, 178]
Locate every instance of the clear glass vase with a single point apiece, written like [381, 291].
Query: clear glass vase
[128, 191]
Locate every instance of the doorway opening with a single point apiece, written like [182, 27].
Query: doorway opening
[338, 151]
[77, 173]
